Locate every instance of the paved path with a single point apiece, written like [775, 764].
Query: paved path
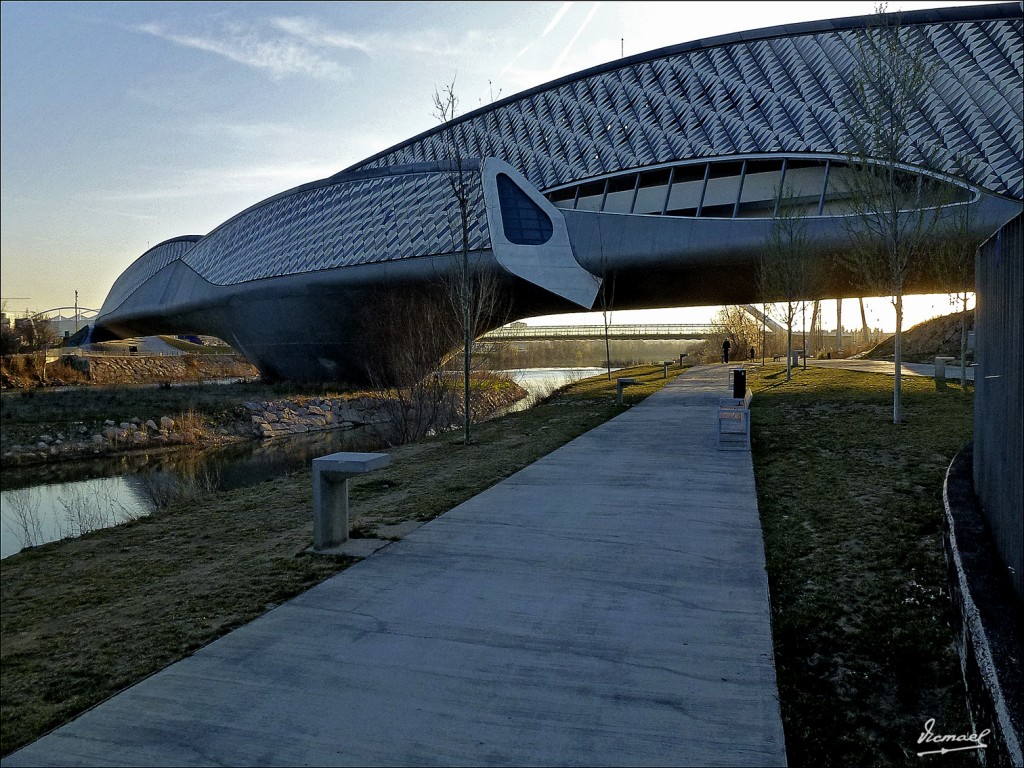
[607, 605]
[882, 366]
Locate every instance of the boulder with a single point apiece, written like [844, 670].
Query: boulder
[346, 413]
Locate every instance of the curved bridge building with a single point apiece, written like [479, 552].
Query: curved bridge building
[660, 171]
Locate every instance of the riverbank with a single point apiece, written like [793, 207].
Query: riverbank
[82, 618]
[45, 426]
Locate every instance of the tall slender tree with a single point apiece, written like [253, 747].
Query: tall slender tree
[606, 297]
[475, 294]
[953, 259]
[786, 269]
[894, 210]
[446, 104]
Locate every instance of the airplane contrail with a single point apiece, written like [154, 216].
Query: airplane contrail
[565, 52]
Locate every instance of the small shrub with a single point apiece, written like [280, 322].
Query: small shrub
[190, 426]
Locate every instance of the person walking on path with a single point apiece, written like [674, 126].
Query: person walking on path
[725, 351]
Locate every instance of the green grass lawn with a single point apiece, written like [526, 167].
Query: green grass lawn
[851, 507]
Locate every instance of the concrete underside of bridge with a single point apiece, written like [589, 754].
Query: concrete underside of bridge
[346, 324]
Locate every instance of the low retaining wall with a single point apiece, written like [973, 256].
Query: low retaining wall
[22, 371]
[289, 417]
[989, 619]
[115, 370]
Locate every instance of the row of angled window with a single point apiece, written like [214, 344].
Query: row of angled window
[723, 189]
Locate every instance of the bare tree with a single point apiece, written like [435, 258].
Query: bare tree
[894, 211]
[407, 333]
[39, 334]
[487, 303]
[786, 269]
[606, 297]
[738, 326]
[472, 290]
[953, 260]
[446, 105]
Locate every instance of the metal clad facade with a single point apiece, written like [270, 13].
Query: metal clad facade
[147, 265]
[999, 393]
[781, 94]
[339, 225]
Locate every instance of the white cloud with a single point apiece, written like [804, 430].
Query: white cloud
[312, 32]
[244, 45]
[298, 45]
[437, 43]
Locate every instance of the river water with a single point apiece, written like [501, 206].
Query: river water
[42, 504]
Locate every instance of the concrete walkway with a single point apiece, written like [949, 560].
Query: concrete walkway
[607, 605]
[883, 366]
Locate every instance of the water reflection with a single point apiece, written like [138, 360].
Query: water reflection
[41, 504]
[38, 505]
[541, 382]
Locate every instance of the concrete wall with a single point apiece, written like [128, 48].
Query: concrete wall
[999, 392]
[986, 621]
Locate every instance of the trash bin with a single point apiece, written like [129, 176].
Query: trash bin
[739, 383]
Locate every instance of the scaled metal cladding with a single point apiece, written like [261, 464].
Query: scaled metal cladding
[661, 170]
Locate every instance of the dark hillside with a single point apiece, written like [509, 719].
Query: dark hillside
[939, 336]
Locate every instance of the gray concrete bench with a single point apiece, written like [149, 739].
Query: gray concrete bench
[666, 364]
[330, 493]
[940, 367]
[734, 422]
[621, 384]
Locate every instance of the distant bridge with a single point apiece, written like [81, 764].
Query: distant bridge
[522, 332]
[47, 314]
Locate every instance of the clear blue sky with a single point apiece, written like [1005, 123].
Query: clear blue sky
[124, 124]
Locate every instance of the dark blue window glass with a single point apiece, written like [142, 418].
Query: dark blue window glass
[523, 220]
